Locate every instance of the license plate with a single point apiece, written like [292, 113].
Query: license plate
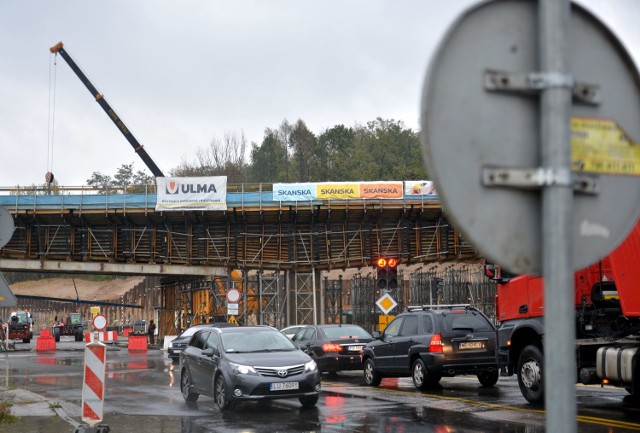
[284, 386]
[355, 348]
[471, 345]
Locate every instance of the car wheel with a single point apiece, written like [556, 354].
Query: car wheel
[421, 377]
[220, 396]
[371, 376]
[488, 378]
[308, 400]
[530, 378]
[185, 387]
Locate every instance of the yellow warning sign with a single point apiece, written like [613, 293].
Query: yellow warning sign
[232, 320]
[602, 146]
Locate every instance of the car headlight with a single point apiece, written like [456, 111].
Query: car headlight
[310, 366]
[242, 369]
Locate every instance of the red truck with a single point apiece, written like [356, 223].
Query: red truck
[607, 323]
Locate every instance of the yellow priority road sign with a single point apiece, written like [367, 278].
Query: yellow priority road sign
[386, 303]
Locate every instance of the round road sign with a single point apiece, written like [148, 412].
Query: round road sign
[99, 322]
[233, 296]
[6, 227]
[470, 128]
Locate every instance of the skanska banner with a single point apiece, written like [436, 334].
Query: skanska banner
[337, 191]
[191, 193]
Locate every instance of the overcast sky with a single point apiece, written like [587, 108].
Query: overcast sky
[180, 73]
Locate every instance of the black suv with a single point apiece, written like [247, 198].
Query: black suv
[431, 341]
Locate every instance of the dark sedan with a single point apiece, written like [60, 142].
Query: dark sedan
[333, 347]
[246, 363]
[179, 343]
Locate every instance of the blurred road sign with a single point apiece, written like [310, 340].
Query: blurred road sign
[99, 322]
[233, 295]
[481, 134]
[232, 309]
[7, 298]
[6, 227]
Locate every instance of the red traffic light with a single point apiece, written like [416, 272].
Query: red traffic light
[384, 262]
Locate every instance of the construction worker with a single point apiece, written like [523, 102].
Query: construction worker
[152, 332]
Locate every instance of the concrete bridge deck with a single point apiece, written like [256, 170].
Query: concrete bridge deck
[79, 230]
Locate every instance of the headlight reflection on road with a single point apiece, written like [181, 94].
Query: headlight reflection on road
[171, 377]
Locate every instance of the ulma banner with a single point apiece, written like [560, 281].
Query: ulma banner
[191, 193]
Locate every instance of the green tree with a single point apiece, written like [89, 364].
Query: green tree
[305, 153]
[386, 150]
[269, 160]
[334, 147]
[124, 179]
[99, 181]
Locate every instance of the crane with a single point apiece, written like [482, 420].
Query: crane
[139, 148]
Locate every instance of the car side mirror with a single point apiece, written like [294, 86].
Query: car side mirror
[211, 351]
[376, 335]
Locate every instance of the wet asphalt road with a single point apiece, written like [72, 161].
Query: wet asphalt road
[142, 395]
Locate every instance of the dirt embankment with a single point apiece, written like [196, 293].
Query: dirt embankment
[87, 290]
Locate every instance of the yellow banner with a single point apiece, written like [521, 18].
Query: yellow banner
[337, 190]
[601, 146]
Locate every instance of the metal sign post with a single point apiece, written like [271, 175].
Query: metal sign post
[557, 217]
[529, 191]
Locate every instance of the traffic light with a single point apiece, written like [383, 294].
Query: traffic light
[387, 273]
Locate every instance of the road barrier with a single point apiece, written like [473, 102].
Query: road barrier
[108, 336]
[45, 342]
[137, 342]
[93, 383]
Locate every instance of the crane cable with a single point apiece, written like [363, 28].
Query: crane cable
[51, 120]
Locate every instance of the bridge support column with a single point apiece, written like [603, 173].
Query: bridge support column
[304, 294]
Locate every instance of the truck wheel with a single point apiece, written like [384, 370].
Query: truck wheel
[530, 370]
[26, 340]
[488, 378]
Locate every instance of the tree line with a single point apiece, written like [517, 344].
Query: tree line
[380, 150]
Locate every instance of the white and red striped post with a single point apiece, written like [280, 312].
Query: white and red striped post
[95, 356]
[93, 383]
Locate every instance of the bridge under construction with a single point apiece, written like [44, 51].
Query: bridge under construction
[274, 252]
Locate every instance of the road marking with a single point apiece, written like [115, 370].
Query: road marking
[580, 418]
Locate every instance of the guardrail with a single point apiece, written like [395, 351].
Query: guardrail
[143, 197]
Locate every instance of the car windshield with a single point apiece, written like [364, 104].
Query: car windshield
[252, 341]
[338, 332]
[189, 332]
[22, 317]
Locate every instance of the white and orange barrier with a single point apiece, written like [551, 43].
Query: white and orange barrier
[108, 336]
